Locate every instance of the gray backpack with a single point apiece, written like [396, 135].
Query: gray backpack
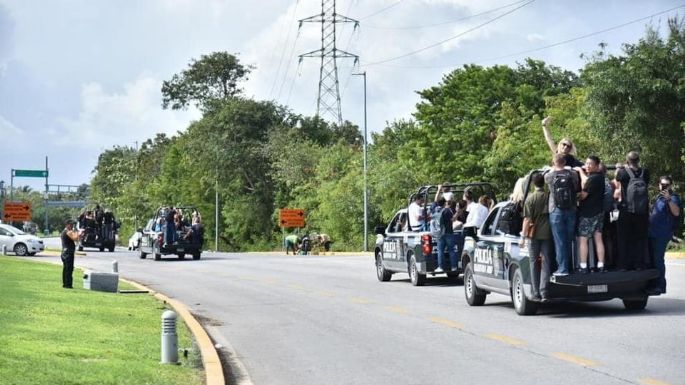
[637, 201]
[436, 228]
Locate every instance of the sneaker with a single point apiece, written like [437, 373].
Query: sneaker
[583, 270]
[603, 269]
[544, 297]
[560, 274]
[438, 270]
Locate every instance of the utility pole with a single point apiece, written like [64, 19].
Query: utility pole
[328, 101]
[366, 194]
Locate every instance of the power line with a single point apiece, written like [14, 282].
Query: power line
[549, 45]
[285, 45]
[287, 68]
[448, 21]
[381, 10]
[450, 38]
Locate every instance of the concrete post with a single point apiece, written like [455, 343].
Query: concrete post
[4, 249]
[169, 338]
[115, 266]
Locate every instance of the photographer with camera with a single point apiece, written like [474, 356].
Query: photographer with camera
[662, 220]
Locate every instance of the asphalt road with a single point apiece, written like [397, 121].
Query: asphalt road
[327, 320]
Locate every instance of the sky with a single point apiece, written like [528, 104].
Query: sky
[80, 76]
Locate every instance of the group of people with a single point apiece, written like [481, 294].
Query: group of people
[445, 216]
[97, 224]
[176, 227]
[297, 243]
[582, 204]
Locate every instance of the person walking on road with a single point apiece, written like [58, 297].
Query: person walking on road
[662, 221]
[68, 236]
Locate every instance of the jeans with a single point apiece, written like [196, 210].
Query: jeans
[539, 273]
[658, 247]
[67, 267]
[563, 223]
[447, 240]
[170, 233]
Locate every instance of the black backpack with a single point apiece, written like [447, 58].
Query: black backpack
[563, 191]
[637, 201]
[510, 221]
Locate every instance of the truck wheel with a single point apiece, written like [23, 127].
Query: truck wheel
[382, 274]
[181, 255]
[142, 254]
[80, 248]
[157, 254]
[111, 249]
[102, 248]
[522, 305]
[417, 279]
[197, 255]
[474, 295]
[635, 304]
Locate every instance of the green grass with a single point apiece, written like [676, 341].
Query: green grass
[50, 335]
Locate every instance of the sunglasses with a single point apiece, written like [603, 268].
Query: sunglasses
[566, 144]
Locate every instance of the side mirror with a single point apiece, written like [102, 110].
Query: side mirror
[140, 230]
[380, 229]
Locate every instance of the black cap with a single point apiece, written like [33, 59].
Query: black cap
[69, 222]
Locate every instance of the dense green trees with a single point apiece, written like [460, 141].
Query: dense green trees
[478, 123]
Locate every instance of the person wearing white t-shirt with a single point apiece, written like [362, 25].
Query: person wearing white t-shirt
[478, 212]
[416, 214]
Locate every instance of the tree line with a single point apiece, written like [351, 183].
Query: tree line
[478, 124]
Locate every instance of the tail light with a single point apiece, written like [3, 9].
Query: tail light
[426, 244]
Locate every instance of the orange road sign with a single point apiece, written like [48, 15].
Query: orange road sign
[291, 218]
[17, 211]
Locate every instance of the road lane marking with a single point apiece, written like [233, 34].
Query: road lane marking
[361, 301]
[397, 309]
[447, 322]
[298, 286]
[327, 293]
[246, 278]
[506, 339]
[574, 359]
[652, 381]
[270, 281]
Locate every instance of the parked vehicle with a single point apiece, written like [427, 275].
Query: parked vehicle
[400, 250]
[188, 240]
[19, 242]
[494, 262]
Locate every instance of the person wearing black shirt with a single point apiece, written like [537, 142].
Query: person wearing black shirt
[632, 227]
[68, 237]
[591, 212]
[565, 146]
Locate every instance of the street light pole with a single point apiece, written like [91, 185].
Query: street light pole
[366, 203]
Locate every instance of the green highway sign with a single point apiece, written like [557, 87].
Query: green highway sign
[31, 173]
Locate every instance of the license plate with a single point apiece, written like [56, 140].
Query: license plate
[597, 288]
[180, 250]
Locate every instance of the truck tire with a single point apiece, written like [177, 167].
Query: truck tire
[102, 248]
[181, 255]
[197, 255]
[417, 279]
[635, 304]
[157, 254]
[80, 248]
[142, 254]
[382, 274]
[474, 295]
[522, 304]
[111, 249]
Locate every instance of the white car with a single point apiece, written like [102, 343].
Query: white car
[19, 242]
[134, 241]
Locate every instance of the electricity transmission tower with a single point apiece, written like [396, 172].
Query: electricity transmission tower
[328, 102]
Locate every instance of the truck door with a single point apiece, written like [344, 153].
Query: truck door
[488, 255]
[392, 241]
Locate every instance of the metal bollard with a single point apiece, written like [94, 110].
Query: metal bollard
[169, 338]
[4, 249]
[115, 266]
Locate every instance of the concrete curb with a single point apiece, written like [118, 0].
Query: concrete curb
[675, 255]
[210, 358]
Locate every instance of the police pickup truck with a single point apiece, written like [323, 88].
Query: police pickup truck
[184, 240]
[494, 262]
[398, 249]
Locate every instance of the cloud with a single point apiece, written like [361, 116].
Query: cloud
[7, 128]
[107, 119]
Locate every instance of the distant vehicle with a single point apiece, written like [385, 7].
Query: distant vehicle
[401, 250]
[134, 241]
[100, 238]
[18, 241]
[493, 261]
[189, 240]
